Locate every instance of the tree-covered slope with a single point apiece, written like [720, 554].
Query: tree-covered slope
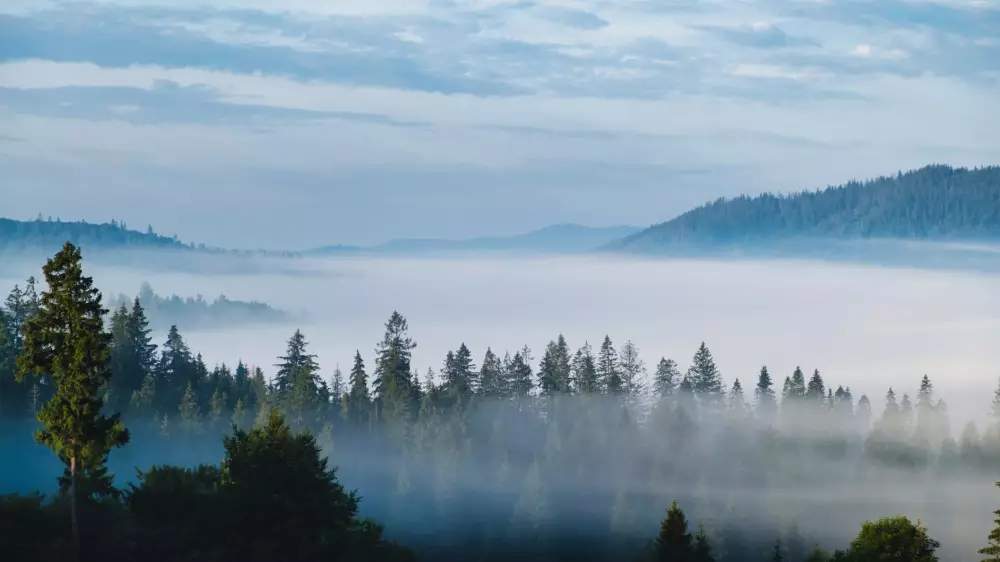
[932, 203]
[47, 233]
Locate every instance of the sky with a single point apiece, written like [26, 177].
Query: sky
[288, 124]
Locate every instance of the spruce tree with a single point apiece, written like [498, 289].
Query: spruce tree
[357, 403]
[991, 551]
[816, 390]
[395, 392]
[702, 550]
[296, 365]
[585, 371]
[673, 543]
[189, 412]
[520, 376]
[491, 376]
[66, 340]
[737, 400]
[608, 369]
[706, 382]
[633, 371]
[667, 378]
[766, 404]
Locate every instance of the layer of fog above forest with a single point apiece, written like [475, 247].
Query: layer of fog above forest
[864, 327]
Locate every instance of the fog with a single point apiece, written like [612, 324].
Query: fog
[865, 327]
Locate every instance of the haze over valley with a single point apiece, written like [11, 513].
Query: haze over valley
[494, 280]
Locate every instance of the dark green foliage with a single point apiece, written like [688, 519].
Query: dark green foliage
[34, 529]
[674, 543]
[133, 355]
[893, 539]
[66, 340]
[396, 393]
[932, 202]
[991, 552]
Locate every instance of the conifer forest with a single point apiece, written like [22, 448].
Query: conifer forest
[558, 452]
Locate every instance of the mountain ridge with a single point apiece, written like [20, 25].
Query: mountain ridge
[935, 202]
[555, 238]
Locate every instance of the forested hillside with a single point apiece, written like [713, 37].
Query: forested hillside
[196, 312]
[932, 203]
[48, 235]
[578, 456]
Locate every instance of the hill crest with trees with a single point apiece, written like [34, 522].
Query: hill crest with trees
[935, 202]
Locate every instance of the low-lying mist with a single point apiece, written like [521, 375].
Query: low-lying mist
[864, 327]
[585, 466]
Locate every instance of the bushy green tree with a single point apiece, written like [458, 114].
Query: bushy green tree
[893, 539]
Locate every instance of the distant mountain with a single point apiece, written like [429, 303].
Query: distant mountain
[938, 203]
[555, 239]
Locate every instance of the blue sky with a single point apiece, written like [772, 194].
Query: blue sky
[294, 123]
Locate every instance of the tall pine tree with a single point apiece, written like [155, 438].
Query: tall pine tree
[66, 339]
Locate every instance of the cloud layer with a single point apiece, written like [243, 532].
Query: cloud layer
[285, 124]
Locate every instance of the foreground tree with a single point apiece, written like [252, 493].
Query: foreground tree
[893, 538]
[991, 552]
[673, 544]
[67, 341]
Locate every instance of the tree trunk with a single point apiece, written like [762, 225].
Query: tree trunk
[74, 517]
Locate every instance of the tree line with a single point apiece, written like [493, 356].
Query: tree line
[582, 455]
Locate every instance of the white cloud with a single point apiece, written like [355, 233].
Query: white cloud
[794, 96]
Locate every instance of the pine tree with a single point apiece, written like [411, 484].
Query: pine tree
[143, 402]
[777, 554]
[491, 376]
[667, 378]
[520, 376]
[395, 392]
[66, 339]
[766, 404]
[673, 543]
[705, 378]
[633, 371]
[816, 390]
[737, 400]
[585, 371]
[864, 413]
[608, 369]
[553, 376]
[991, 551]
[133, 354]
[702, 551]
[296, 366]
[357, 402]
[459, 375]
[337, 386]
[175, 369]
[189, 411]
[795, 387]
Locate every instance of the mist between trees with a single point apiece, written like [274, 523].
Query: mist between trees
[573, 454]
